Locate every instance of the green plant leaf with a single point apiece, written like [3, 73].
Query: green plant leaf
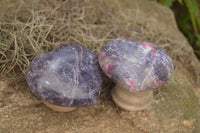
[168, 3]
[197, 14]
[198, 36]
[192, 8]
[188, 20]
[181, 2]
[185, 26]
[198, 43]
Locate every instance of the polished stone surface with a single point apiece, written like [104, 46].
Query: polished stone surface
[67, 76]
[138, 66]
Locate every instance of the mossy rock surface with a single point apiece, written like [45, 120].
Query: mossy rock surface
[28, 28]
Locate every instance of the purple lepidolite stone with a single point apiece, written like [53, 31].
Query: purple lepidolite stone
[138, 66]
[67, 76]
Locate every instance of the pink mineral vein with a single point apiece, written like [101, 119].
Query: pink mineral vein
[101, 54]
[106, 67]
[150, 45]
[159, 83]
[131, 83]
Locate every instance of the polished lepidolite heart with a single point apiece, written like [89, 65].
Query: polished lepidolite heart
[137, 66]
[67, 76]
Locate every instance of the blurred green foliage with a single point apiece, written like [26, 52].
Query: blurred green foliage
[188, 19]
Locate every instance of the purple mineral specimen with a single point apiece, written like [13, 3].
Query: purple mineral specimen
[67, 76]
[138, 66]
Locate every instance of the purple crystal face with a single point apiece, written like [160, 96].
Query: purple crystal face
[134, 65]
[67, 76]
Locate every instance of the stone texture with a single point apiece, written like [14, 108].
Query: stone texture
[140, 20]
[67, 76]
[134, 65]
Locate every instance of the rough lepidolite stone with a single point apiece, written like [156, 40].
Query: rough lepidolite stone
[138, 66]
[67, 76]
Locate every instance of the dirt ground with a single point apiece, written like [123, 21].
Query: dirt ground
[176, 105]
